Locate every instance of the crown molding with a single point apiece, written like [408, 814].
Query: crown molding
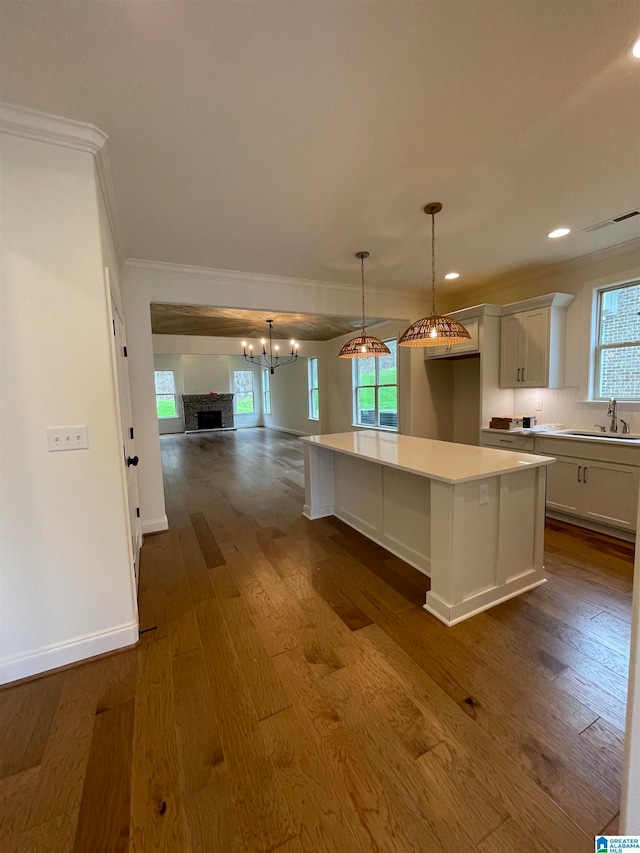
[251, 278]
[44, 127]
[77, 135]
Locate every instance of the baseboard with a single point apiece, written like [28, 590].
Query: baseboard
[52, 657]
[587, 524]
[284, 429]
[155, 525]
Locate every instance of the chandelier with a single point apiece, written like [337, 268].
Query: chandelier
[363, 346]
[435, 329]
[272, 358]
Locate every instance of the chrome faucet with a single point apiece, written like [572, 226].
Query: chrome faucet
[612, 413]
[626, 429]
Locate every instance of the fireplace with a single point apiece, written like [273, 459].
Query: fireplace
[209, 420]
[208, 411]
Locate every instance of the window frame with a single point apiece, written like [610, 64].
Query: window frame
[598, 347]
[162, 394]
[376, 395]
[236, 393]
[310, 362]
[266, 391]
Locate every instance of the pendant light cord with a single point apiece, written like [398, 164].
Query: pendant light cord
[362, 281]
[433, 264]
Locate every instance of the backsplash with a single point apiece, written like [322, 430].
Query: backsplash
[563, 406]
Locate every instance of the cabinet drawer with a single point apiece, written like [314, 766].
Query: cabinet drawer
[507, 441]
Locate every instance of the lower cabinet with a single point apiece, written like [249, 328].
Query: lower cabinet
[600, 491]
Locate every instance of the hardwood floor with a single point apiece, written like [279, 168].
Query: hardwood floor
[289, 693]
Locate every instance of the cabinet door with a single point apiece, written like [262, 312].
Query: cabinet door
[610, 494]
[564, 489]
[535, 348]
[510, 365]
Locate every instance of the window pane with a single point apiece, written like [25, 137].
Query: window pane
[387, 365]
[244, 402]
[164, 382]
[243, 381]
[620, 320]
[314, 403]
[267, 403]
[166, 406]
[620, 373]
[313, 372]
[388, 406]
[366, 405]
[365, 371]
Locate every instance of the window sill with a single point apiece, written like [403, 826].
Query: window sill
[313, 419]
[376, 428]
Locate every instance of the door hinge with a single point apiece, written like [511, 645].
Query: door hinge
[124, 350]
[130, 432]
[114, 326]
[137, 512]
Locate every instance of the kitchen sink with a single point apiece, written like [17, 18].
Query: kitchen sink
[605, 436]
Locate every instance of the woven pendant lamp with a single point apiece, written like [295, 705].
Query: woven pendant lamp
[364, 346]
[434, 330]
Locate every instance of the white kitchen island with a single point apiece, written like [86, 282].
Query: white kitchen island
[472, 518]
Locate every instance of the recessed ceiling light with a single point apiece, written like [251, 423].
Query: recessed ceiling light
[452, 275]
[635, 50]
[559, 232]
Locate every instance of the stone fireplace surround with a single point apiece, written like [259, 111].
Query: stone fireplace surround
[194, 403]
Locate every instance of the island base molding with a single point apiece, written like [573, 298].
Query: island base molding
[452, 614]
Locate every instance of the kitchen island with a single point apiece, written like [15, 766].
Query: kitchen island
[471, 518]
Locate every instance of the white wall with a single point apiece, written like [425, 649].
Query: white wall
[290, 397]
[65, 572]
[568, 405]
[630, 805]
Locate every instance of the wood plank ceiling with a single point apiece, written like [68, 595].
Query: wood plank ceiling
[170, 319]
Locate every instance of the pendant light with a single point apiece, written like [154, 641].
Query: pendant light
[364, 346]
[434, 330]
[272, 358]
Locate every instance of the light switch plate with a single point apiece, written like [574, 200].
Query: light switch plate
[484, 494]
[67, 438]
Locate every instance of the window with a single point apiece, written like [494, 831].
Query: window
[165, 394]
[243, 391]
[266, 392]
[314, 405]
[617, 350]
[375, 383]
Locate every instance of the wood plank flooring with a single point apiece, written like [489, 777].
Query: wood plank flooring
[290, 694]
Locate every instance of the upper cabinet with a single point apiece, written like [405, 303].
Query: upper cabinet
[450, 350]
[532, 342]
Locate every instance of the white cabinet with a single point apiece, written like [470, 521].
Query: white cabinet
[603, 492]
[451, 350]
[531, 342]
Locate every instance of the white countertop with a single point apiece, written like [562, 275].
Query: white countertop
[437, 460]
[593, 437]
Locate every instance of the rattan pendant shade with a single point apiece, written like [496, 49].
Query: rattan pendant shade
[436, 329]
[364, 346]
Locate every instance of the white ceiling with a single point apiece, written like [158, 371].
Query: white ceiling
[282, 136]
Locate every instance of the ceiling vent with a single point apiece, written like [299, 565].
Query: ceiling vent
[612, 221]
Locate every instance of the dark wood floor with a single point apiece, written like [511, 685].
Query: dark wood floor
[290, 694]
